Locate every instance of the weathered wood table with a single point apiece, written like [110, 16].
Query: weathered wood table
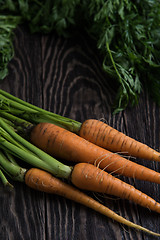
[65, 76]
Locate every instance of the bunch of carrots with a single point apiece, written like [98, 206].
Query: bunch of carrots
[39, 137]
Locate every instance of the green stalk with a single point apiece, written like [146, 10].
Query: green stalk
[11, 158]
[5, 181]
[36, 118]
[16, 120]
[30, 111]
[18, 124]
[9, 138]
[14, 171]
[56, 168]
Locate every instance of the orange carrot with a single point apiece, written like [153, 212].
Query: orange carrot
[109, 138]
[89, 177]
[44, 181]
[93, 130]
[66, 145]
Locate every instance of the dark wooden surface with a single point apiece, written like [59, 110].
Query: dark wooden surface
[65, 76]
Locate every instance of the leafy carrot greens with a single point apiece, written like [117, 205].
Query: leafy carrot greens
[127, 34]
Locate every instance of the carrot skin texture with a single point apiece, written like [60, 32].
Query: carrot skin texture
[88, 177]
[66, 145]
[43, 181]
[109, 138]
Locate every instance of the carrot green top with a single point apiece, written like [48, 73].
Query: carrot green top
[34, 114]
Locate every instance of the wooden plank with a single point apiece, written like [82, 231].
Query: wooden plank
[65, 76]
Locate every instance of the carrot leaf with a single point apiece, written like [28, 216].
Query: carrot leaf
[130, 28]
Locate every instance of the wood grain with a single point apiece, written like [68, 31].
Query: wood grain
[65, 76]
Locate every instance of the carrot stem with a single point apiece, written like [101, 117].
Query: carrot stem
[12, 118]
[12, 168]
[23, 155]
[5, 182]
[32, 112]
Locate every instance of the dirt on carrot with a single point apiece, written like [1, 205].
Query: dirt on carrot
[66, 145]
[109, 138]
[44, 181]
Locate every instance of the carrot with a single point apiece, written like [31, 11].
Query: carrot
[44, 181]
[91, 178]
[64, 144]
[93, 130]
[109, 138]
